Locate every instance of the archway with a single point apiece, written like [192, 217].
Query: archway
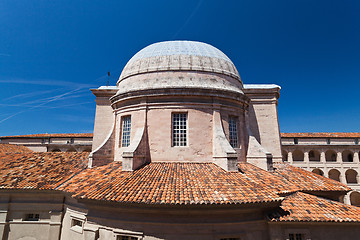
[284, 156]
[330, 156]
[334, 174]
[355, 198]
[298, 155]
[314, 156]
[318, 171]
[347, 156]
[351, 176]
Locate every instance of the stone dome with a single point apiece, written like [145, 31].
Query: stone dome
[174, 64]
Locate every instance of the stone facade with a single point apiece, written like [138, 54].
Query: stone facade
[333, 155]
[72, 142]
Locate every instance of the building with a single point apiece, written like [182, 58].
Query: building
[181, 150]
[62, 142]
[333, 155]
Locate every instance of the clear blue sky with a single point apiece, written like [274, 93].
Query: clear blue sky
[53, 52]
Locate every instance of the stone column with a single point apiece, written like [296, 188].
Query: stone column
[356, 157]
[339, 157]
[342, 177]
[306, 157]
[322, 157]
[347, 199]
[290, 158]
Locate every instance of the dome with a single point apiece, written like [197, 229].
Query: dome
[179, 55]
[180, 65]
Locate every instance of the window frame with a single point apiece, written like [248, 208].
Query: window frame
[231, 131]
[186, 132]
[127, 141]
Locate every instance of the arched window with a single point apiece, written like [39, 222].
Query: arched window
[314, 156]
[330, 156]
[298, 155]
[347, 156]
[318, 171]
[284, 156]
[351, 176]
[334, 174]
[355, 198]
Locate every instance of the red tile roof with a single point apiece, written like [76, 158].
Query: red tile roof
[307, 181]
[53, 135]
[12, 148]
[321, 135]
[302, 207]
[169, 183]
[35, 170]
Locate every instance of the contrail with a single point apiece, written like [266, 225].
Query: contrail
[55, 98]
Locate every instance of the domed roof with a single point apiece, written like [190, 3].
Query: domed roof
[179, 56]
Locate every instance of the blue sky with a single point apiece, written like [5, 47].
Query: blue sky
[53, 52]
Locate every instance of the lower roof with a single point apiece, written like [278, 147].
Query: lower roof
[302, 207]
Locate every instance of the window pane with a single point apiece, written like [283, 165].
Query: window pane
[179, 129]
[233, 135]
[126, 127]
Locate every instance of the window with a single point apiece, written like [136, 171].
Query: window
[179, 134]
[356, 141]
[75, 222]
[126, 238]
[32, 217]
[296, 236]
[125, 133]
[77, 225]
[296, 141]
[233, 135]
[328, 141]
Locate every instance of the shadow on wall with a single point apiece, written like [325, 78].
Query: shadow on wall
[253, 123]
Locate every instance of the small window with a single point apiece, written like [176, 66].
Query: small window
[122, 237]
[71, 141]
[77, 225]
[296, 236]
[32, 217]
[125, 133]
[356, 141]
[328, 141]
[75, 222]
[296, 141]
[179, 129]
[233, 133]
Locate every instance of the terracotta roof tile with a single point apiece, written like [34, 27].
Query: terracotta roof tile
[169, 183]
[53, 135]
[321, 135]
[307, 181]
[12, 148]
[302, 207]
[39, 170]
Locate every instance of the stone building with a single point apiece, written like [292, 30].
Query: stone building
[181, 150]
[61, 142]
[333, 155]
